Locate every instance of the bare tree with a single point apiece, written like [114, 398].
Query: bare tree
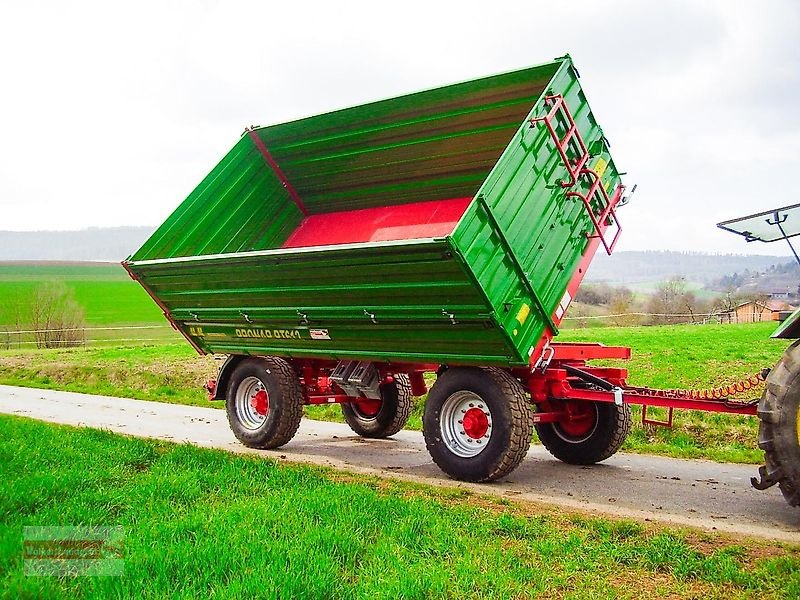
[670, 301]
[56, 317]
[11, 335]
[622, 303]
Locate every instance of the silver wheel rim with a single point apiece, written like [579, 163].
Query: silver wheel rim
[248, 416]
[451, 421]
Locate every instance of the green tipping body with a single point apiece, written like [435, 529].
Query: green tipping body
[218, 268]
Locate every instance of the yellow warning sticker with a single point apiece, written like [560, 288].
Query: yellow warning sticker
[523, 313]
[600, 166]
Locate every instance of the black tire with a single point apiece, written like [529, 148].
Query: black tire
[285, 400]
[778, 434]
[604, 435]
[395, 407]
[510, 428]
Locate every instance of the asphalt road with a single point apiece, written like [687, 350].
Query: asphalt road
[685, 492]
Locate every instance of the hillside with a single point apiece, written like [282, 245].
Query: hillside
[637, 269]
[634, 269]
[111, 244]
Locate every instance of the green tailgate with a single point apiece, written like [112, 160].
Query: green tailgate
[522, 231]
[218, 269]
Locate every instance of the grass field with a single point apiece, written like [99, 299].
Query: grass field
[156, 364]
[105, 291]
[202, 523]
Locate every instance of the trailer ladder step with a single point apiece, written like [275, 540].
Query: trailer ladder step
[571, 147]
[600, 207]
[575, 156]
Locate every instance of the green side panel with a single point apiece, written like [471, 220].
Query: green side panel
[240, 206]
[544, 230]
[389, 301]
[431, 145]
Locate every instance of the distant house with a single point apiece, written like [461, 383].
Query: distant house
[756, 310]
[780, 295]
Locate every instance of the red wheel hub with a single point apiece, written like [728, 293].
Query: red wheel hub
[475, 423]
[369, 407]
[581, 417]
[260, 402]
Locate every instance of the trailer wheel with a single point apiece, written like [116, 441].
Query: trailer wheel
[477, 423]
[593, 433]
[381, 418]
[779, 429]
[264, 402]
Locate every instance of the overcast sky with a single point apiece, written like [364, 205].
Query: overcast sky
[111, 113]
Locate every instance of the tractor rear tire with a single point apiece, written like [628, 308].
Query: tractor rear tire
[264, 402]
[779, 413]
[477, 423]
[592, 438]
[384, 417]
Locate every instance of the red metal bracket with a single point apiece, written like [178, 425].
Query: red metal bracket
[574, 165]
[579, 351]
[573, 143]
[656, 422]
[556, 383]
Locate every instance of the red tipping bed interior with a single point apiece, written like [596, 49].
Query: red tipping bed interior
[433, 218]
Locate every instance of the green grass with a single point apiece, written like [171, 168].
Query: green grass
[165, 372]
[202, 523]
[105, 291]
[38, 271]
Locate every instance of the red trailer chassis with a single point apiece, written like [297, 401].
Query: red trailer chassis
[560, 387]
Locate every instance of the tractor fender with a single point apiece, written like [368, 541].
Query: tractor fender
[790, 328]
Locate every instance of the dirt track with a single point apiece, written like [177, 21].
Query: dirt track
[695, 493]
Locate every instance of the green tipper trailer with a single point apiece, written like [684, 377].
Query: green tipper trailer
[430, 227]
[341, 257]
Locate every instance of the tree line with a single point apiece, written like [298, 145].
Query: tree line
[671, 302]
